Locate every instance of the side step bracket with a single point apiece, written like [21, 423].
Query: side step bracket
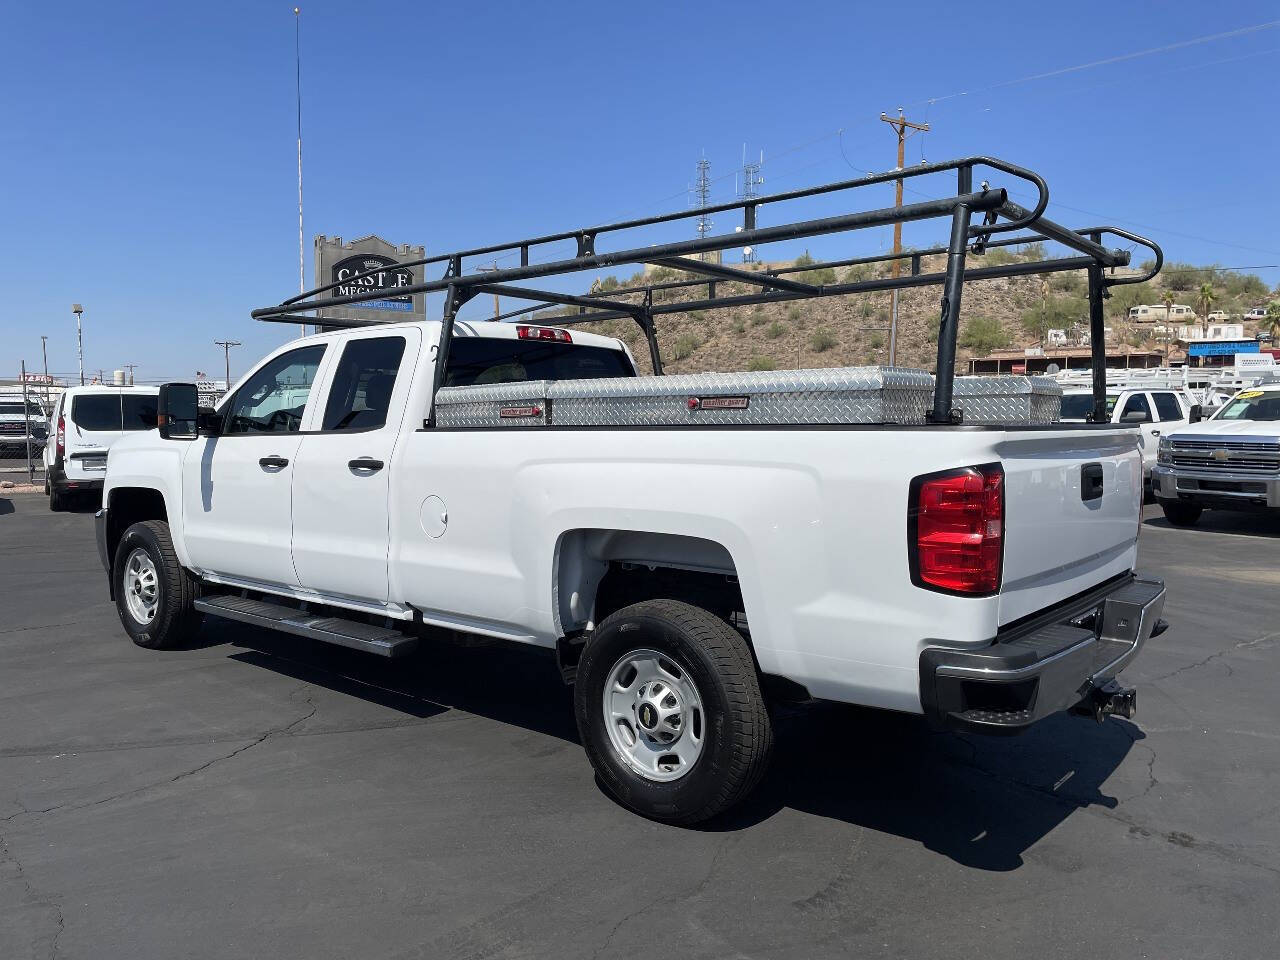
[383, 641]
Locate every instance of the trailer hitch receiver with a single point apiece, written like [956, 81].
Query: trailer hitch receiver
[1109, 699]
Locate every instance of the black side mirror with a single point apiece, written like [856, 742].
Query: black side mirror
[177, 411]
[1197, 413]
[1135, 416]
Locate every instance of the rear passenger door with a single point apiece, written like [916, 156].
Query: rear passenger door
[341, 483]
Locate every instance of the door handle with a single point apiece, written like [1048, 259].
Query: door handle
[1155, 433]
[364, 465]
[272, 463]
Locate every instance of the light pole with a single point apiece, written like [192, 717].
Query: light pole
[44, 353]
[77, 310]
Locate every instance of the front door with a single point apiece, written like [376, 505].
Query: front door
[236, 496]
[341, 487]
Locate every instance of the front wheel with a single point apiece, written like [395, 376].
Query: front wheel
[1181, 514]
[670, 711]
[155, 596]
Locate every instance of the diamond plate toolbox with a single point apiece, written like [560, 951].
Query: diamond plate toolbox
[841, 395]
[493, 405]
[1012, 400]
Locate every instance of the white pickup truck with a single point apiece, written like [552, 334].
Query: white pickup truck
[981, 575]
[1154, 411]
[689, 547]
[1228, 462]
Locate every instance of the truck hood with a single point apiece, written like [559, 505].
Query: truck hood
[1213, 429]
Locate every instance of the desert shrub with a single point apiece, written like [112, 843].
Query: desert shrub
[876, 341]
[761, 363]
[685, 344]
[822, 340]
[775, 330]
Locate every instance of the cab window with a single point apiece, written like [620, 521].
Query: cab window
[1167, 406]
[362, 384]
[1137, 403]
[274, 397]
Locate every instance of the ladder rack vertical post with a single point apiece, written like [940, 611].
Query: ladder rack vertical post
[949, 326]
[1097, 344]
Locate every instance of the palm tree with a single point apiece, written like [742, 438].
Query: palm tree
[1206, 298]
[1272, 320]
[1168, 306]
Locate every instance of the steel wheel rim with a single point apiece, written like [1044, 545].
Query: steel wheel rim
[141, 586]
[654, 715]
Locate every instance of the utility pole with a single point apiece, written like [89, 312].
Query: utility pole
[226, 346]
[900, 125]
[130, 368]
[497, 303]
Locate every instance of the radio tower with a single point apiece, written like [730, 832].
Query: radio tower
[702, 198]
[750, 180]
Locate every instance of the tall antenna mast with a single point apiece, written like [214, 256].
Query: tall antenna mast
[702, 195]
[297, 50]
[750, 180]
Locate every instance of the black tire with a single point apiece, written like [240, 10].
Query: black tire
[57, 498]
[47, 490]
[175, 619]
[737, 734]
[1181, 514]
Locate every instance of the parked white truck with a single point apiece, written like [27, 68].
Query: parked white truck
[1228, 462]
[687, 546]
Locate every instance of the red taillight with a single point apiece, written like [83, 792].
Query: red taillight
[543, 333]
[956, 529]
[62, 437]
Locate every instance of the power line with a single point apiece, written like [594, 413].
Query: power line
[1107, 61]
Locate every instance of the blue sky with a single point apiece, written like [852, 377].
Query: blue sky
[147, 155]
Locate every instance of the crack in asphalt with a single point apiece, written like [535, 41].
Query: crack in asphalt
[701, 885]
[1242, 645]
[44, 900]
[261, 738]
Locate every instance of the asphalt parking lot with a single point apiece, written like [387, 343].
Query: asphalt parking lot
[259, 795]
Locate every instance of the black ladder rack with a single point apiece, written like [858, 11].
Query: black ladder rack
[999, 215]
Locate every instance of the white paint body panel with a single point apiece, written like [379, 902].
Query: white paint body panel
[813, 521]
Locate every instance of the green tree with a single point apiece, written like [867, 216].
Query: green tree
[983, 334]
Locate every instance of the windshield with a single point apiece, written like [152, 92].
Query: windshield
[1076, 406]
[1252, 405]
[14, 408]
[481, 360]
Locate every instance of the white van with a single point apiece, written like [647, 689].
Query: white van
[86, 421]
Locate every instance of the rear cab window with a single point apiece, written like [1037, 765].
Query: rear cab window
[1167, 406]
[487, 360]
[362, 384]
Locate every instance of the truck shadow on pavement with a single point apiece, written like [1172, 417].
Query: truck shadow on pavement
[1230, 522]
[981, 801]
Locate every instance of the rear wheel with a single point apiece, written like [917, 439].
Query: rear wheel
[154, 594]
[57, 498]
[670, 711]
[1181, 514]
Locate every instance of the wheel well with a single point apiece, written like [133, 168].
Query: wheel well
[130, 505]
[600, 571]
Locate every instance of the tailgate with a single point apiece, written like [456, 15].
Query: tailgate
[1063, 535]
